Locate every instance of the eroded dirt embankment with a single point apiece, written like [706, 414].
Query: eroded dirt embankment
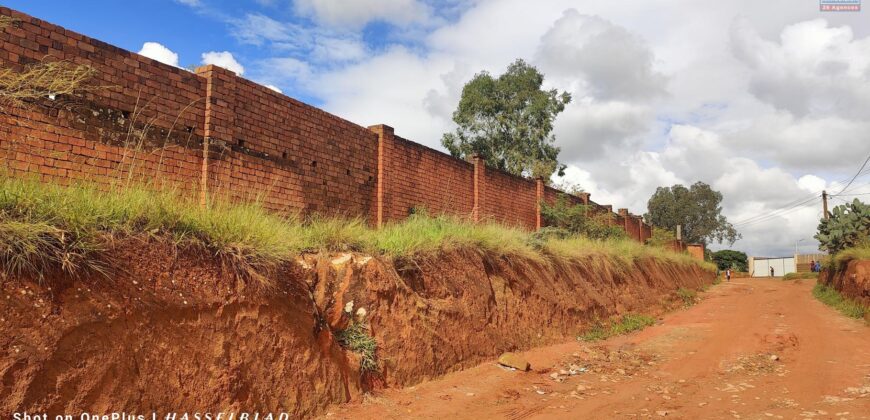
[167, 331]
[853, 280]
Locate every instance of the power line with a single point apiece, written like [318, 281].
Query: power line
[796, 204]
[775, 213]
[856, 174]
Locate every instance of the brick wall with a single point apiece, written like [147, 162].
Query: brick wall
[415, 177]
[211, 133]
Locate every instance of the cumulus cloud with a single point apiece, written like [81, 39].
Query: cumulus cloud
[223, 59]
[815, 69]
[358, 13]
[275, 88]
[614, 63]
[587, 128]
[157, 51]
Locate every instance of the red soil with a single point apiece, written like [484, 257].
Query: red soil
[752, 349]
[853, 281]
[169, 331]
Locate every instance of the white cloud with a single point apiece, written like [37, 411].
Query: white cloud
[223, 59]
[275, 88]
[160, 53]
[614, 63]
[815, 69]
[356, 14]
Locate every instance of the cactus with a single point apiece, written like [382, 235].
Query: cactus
[848, 227]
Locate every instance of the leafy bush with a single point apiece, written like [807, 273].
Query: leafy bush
[580, 219]
[848, 227]
[726, 258]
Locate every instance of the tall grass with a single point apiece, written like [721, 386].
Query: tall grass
[624, 252]
[831, 297]
[49, 227]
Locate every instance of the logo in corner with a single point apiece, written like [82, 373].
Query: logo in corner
[840, 5]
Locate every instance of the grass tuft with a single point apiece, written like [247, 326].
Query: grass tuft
[628, 323]
[802, 275]
[357, 339]
[831, 297]
[688, 296]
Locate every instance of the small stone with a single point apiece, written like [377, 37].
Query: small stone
[662, 413]
[515, 361]
[774, 357]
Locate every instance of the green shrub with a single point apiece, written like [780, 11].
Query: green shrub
[580, 219]
[357, 339]
[726, 258]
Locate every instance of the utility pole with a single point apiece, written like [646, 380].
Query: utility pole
[679, 232]
[825, 203]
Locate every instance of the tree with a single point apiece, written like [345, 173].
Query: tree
[697, 209]
[734, 260]
[848, 226]
[508, 121]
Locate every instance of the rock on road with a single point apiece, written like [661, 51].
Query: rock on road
[751, 349]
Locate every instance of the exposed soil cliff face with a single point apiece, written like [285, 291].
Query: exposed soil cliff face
[853, 281]
[169, 332]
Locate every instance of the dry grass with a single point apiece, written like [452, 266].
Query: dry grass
[43, 80]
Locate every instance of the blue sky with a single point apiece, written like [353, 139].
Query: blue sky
[191, 27]
[768, 102]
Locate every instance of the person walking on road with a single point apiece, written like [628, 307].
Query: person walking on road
[728, 275]
[771, 271]
[813, 266]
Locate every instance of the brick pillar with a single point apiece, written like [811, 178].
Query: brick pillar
[609, 209]
[625, 220]
[639, 221]
[584, 198]
[386, 136]
[220, 99]
[647, 231]
[479, 187]
[539, 190]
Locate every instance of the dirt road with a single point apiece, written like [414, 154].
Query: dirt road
[751, 349]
